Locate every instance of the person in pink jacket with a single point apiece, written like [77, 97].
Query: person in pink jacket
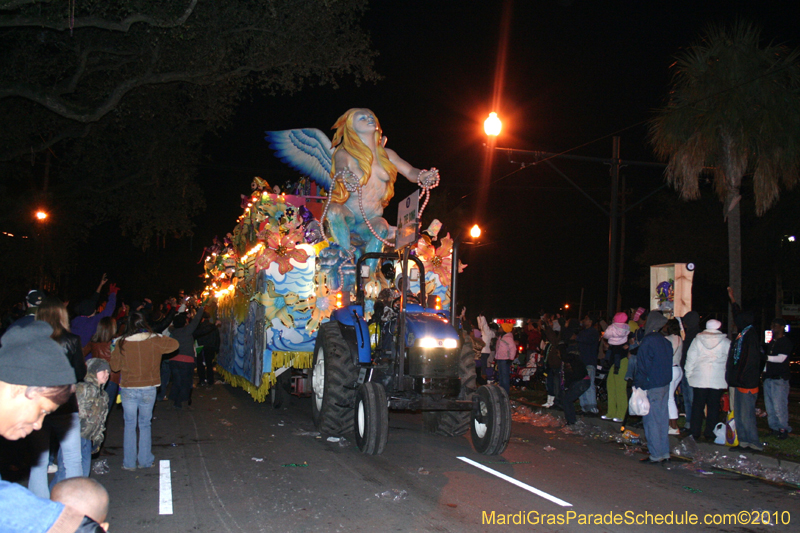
[617, 336]
[505, 354]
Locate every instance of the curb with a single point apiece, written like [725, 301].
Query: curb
[764, 460]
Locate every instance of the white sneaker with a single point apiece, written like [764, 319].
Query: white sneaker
[605, 417]
[674, 431]
[52, 469]
[550, 401]
[618, 420]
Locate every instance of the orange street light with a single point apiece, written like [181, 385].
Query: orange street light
[41, 215]
[492, 125]
[475, 231]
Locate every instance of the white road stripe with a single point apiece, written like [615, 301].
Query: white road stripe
[520, 484]
[164, 488]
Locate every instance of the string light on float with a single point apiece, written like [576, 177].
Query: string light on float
[339, 303]
[41, 215]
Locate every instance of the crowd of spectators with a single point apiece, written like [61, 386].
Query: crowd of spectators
[685, 371]
[75, 371]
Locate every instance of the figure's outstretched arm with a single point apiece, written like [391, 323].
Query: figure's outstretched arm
[414, 175]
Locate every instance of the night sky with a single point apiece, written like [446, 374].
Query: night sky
[576, 73]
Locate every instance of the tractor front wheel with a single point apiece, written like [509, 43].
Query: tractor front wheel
[491, 420]
[371, 418]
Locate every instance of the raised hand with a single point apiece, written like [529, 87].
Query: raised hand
[428, 178]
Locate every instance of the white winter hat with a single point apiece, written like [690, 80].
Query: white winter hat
[713, 324]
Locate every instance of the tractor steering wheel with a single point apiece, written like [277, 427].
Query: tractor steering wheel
[410, 297]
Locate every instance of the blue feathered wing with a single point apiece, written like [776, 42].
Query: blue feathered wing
[308, 151]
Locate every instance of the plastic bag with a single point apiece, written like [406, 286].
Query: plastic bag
[719, 432]
[639, 405]
[731, 439]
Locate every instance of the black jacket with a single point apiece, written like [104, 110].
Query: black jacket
[74, 353]
[746, 372]
[207, 336]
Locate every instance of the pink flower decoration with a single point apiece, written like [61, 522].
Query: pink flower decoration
[280, 249]
[437, 260]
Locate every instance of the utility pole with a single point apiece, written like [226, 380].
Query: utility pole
[621, 265]
[613, 231]
[613, 213]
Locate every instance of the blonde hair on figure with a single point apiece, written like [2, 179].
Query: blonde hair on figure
[345, 138]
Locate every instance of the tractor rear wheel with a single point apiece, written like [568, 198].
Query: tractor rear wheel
[333, 382]
[455, 423]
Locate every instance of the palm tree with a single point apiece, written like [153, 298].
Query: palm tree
[733, 112]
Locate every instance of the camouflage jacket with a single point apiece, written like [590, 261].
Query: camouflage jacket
[92, 408]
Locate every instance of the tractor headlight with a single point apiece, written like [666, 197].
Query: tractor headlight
[430, 342]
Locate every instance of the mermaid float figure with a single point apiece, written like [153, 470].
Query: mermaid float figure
[359, 173]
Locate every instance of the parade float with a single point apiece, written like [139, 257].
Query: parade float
[671, 288]
[290, 260]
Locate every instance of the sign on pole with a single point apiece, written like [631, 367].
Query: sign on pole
[407, 223]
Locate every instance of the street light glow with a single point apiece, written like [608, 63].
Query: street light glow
[475, 232]
[492, 125]
[791, 238]
[41, 215]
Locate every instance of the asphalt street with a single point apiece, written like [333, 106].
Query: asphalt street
[236, 465]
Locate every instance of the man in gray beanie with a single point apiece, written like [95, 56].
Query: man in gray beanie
[653, 374]
[35, 378]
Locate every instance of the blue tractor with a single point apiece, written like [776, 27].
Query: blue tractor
[405, 357]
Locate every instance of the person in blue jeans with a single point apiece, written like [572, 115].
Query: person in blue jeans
[588, 344]
[137, 404]
[64, 423]
[776, 380]
[743, 372]
[654, 374]
[506, 353]
[137, 356]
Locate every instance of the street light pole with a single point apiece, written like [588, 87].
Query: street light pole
[474, 232]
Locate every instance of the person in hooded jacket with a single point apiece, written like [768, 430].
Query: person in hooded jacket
[506, 352]
[93, 409]
[100, 348]
[653, 374]
[743, 372]
[617, 336]
[706, 359]
[691, 327]
[576, 378]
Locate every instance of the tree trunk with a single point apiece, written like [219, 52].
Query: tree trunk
[734, 250]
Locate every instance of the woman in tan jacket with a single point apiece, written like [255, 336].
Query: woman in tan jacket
[137, 356]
